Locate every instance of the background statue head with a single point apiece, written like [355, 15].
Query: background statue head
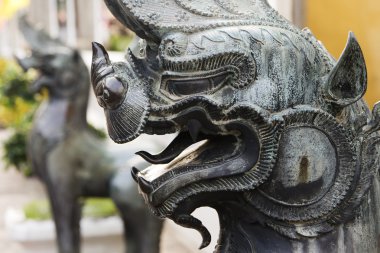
[274, 123]
[60, 67]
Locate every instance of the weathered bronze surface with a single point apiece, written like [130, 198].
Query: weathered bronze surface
[69, 158]
[286, 150]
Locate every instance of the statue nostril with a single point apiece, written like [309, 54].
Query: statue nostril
[106, 95]
[113, 92]
[99, 90]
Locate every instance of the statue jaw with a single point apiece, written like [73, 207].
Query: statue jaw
[214, 152]
[202, 151]
[43, 80]
[52, 73]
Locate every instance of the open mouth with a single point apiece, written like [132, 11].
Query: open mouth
[41, 81]
[202, 151]
[44, 73]
[215, 151]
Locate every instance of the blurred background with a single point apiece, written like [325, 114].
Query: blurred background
[79, 22]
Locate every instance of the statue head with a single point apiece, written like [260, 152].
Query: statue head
[61, 69]
[258, 106]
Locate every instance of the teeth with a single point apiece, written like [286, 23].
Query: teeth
[145, 186]
[194, 127]
[135, 172]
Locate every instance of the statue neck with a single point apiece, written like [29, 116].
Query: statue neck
[73, 111]
[58, 116]
[242, 230]
[246, 235]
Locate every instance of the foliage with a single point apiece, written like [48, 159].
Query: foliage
[97, 132]
[99, 207]
[119, 42]
[92, 208]
[9, 7]
[37, 210]
[15, 153]
[120, 37]
[17, 106]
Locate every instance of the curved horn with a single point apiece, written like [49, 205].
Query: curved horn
[39, 40]
[101, 64]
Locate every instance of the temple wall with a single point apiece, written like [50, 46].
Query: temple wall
[331, 21]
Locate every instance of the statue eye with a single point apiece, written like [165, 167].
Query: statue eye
[185, 86]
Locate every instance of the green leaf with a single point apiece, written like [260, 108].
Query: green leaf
[93, 208]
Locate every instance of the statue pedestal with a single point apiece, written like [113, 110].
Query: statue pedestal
[98, 235]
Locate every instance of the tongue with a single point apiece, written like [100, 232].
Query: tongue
[155, 171]
[200, 154]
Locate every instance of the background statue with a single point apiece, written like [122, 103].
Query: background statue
[69, 158]
[273, 132]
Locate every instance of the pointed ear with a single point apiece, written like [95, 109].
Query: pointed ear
[347, 82]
